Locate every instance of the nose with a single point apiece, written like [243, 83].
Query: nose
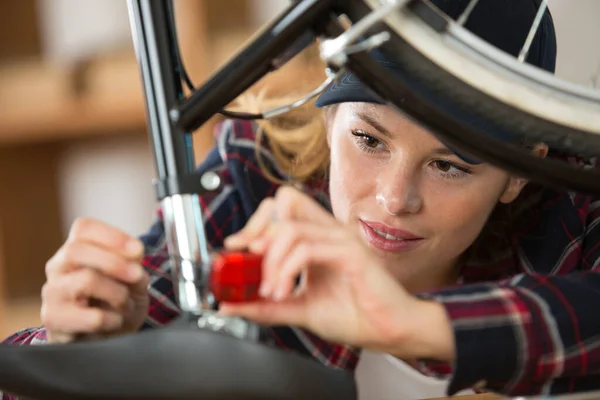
[398, 191]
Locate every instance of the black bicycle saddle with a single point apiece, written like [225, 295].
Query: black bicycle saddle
[175, 362]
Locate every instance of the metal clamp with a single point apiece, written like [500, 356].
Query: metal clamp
[335, 51]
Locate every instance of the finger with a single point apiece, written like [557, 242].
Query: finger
[297, 261]
[291, 312]
[106, 236]
[291, 203]
[85, 284]
[140, 287]
[254, 228]
[74, 255]
[328, 253]
[285, 237]
[62, 319]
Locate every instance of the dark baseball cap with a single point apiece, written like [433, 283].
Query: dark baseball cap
[504, 24]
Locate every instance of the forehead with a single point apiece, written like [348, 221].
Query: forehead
[386, 118]
[364, 108]
[395, 125]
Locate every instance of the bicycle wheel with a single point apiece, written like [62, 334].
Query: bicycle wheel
[464, 89]
[175, 362]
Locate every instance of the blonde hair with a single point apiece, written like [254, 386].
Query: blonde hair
[297, 139]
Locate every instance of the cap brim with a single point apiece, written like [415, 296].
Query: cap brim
[348, 88]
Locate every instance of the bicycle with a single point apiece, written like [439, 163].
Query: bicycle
[447, 97]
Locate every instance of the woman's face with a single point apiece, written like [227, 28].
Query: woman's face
[416, 204]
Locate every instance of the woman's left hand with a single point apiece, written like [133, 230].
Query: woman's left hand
[346, 294]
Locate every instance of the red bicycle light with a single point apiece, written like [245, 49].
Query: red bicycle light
[235, 276]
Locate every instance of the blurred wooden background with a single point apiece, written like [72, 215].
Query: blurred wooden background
[73, 138]
[49, 107]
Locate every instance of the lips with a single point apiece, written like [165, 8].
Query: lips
[390, 239]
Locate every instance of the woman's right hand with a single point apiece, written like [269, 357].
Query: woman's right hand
[96, 286]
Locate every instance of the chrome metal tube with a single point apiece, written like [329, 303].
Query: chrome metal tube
[188, 251]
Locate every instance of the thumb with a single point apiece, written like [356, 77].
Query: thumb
[291, 311]
[290, 203]
[140, 287]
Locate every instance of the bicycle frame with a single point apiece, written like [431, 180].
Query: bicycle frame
[172, 118]
[95, 369]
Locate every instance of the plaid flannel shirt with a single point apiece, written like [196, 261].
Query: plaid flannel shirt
[524, 320]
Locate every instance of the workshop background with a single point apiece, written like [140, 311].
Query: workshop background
[73, 139]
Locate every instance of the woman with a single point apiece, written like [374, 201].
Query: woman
[404, 246]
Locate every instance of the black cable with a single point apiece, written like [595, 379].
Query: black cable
[175, 38]
[184, 76]
[241, 115]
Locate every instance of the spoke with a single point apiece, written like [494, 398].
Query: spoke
[534, 28]
[465, 15]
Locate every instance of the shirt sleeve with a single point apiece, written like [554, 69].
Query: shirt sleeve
[244, 186]
[162, 303]
[533, 333]
[222, 216]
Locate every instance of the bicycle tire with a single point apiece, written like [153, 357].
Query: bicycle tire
[177, 361]
[463, 115]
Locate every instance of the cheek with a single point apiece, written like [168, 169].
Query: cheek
[459, 219]
[346, 182]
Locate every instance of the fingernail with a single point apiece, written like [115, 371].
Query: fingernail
[135, 271]
[232, 240]
[265, 290]
[257, 246]
[135, 247]
[279, 294]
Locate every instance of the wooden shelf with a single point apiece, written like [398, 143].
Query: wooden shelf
[39, 102]
[21, 314]
[100, 96]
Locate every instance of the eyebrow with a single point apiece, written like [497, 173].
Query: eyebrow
[373, 122]
[444, 151]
